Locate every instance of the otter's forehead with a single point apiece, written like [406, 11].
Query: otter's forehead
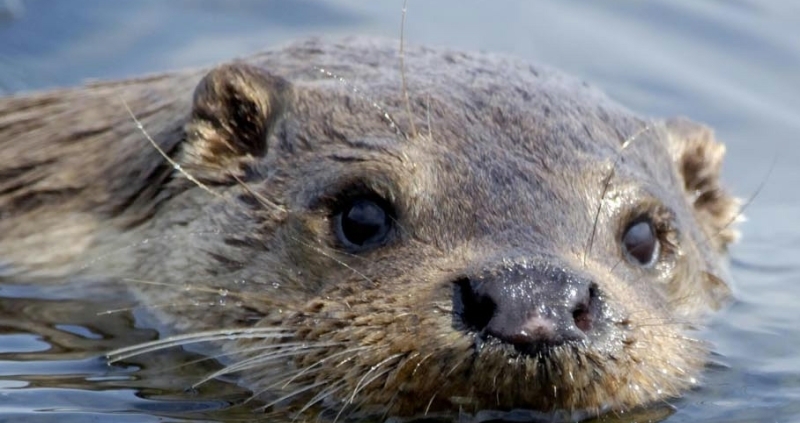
[355, 89]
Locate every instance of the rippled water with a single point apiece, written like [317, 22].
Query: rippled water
[734, 64]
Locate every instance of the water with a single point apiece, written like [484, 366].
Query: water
[730, 63]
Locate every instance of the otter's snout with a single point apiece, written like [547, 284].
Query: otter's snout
[531, 308]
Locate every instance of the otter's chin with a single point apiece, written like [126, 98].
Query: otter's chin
[568, 382]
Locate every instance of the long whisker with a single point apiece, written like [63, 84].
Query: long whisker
[223, 292]
[403, 71]
[360, 385]
[428, 116]
[155, 306]
[607, 185]
[329, 357]
[166, 156]
[295, 393]
[740, 214]
[120, 250]
[386, 116]
[312, 368]
[322, 395]
[197, 337]
[264, 201]
[264, 358]
[236, 352]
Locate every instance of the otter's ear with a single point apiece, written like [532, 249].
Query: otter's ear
[234, 108]
[698, 157]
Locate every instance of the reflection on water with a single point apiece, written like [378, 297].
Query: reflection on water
[52, 366]
[732, 64]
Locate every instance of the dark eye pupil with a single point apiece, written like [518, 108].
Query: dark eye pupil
[364, 223]
[640, 243]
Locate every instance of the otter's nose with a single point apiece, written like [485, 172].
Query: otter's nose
[531, 308]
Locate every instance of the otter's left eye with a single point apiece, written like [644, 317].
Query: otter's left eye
[641, 244]
[363, 224]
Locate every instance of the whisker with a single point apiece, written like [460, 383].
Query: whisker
[403, 71]
[264, 201]
[312, 368]
[390, 405]
[386, 116]
[231, 353]
[157, 306]
[607, 185]
[430, 403]
[166, 156]
[188, 287]
[698, 342]
[270, 379]
[197, 337]
[103, 257]
[294, 393]
[360, 385]
[740, 214]
[338, 386]
[332, 356]
[222, 293]
[428, 116]
[245, 364]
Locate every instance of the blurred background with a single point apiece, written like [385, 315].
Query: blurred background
[733, 64]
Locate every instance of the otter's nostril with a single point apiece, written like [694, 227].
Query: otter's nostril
[582, 318]
[474, 309]
[582, 314]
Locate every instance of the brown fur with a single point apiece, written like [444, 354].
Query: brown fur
[510, 164]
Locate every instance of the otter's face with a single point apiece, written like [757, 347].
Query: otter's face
[529, 245]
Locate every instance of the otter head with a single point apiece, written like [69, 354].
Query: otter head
[535, 246]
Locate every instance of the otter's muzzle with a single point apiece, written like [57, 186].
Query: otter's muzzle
[532, 308]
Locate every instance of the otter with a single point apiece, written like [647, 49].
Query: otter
[489, 235]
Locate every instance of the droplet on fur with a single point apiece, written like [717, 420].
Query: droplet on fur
[223, 292]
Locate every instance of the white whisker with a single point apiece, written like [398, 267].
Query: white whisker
[262, 359]
[193, 338]
[360, 385]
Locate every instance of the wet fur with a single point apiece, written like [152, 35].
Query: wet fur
[509, 162]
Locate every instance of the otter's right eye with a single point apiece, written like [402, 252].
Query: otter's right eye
[363, 224]
[641, 244]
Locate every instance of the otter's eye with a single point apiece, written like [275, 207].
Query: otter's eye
[640, 243]
[363, 223]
